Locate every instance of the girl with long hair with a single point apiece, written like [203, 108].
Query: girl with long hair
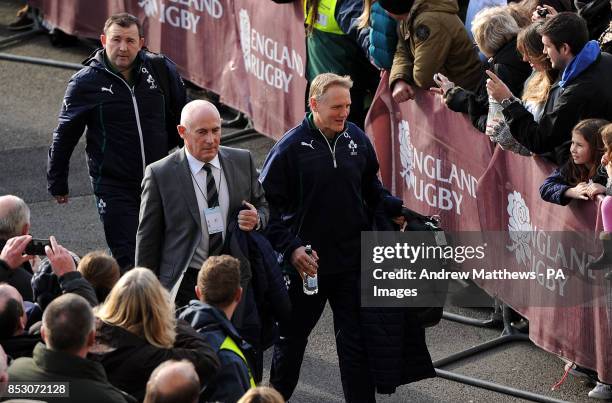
[580, 177]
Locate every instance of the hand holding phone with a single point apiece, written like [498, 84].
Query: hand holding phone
[36, 247]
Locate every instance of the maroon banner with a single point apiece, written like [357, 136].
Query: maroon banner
[253, 57]
[440, 164]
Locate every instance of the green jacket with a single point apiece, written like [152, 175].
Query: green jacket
[87, 379]
[432, 39]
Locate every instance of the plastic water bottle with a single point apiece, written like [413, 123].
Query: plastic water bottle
[311, 284]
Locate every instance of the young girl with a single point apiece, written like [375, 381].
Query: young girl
[605, 260]
[580, 177]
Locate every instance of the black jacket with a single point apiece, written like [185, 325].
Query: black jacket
[508, 65]
[323, 194]
[126, 127]
[589, 95]
[233, 378]
[265, 301]
[129, 360]
[20, 278]
[396, 348]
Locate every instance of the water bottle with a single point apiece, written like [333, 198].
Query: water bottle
[311, 284]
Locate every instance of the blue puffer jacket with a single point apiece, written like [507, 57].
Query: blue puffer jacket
[323, 194]
[383, 37]
[126, 126]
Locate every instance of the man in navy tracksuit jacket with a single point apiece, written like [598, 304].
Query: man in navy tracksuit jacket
[118, 98]
[321, 183]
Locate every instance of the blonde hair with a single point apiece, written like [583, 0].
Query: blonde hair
[493, 28]
[142, 306]
[364, 19]
[606, 137]
[321, 83]
[529, 44]
[261, 394]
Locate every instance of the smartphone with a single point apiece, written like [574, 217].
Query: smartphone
[37, 247]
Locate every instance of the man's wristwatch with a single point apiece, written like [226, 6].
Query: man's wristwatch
[507, 101]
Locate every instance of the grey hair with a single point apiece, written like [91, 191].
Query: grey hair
[15, 215]
[492, 28]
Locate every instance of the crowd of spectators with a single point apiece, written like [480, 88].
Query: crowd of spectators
[544, 90]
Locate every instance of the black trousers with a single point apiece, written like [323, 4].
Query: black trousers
[118, 209]
[342, 291]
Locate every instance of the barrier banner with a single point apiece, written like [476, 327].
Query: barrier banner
[429, 156]
[440, 164]
[254, 57]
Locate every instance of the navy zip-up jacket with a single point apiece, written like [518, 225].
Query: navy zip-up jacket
[126, 125]
[323, 193]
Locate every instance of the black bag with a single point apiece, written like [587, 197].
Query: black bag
[428, 316]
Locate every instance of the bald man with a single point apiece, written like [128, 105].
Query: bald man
[173, 381]
[191, 198]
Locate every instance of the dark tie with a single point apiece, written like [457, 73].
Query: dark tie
[215, 241]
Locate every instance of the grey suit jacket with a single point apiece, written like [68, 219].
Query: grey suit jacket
[169, 229]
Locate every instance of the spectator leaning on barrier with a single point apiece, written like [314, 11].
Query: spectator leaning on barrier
[119, 96]
[585, 89]
[580, 177]
[173, 382]
[219, 292]
[605, 260]
[68, 331]
[535, 92]
[495, 34]
[137, 331]
[432, 39]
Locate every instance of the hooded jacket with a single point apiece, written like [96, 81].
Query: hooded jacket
[126, 126]
[233, 378]
[432, 39]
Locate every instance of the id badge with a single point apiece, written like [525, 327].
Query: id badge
[214, 220]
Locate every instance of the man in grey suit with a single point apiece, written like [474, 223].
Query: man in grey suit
[188, 199]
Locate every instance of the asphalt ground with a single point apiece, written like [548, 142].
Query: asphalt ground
[30, 100]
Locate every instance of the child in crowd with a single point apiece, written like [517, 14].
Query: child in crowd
[102, 272]
[605, 260]
[580, 177]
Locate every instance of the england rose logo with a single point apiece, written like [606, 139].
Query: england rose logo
[245, 38]
[150, 7]
[406, 152]
[519, 227]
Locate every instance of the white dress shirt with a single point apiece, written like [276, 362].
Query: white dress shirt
[198, 177]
